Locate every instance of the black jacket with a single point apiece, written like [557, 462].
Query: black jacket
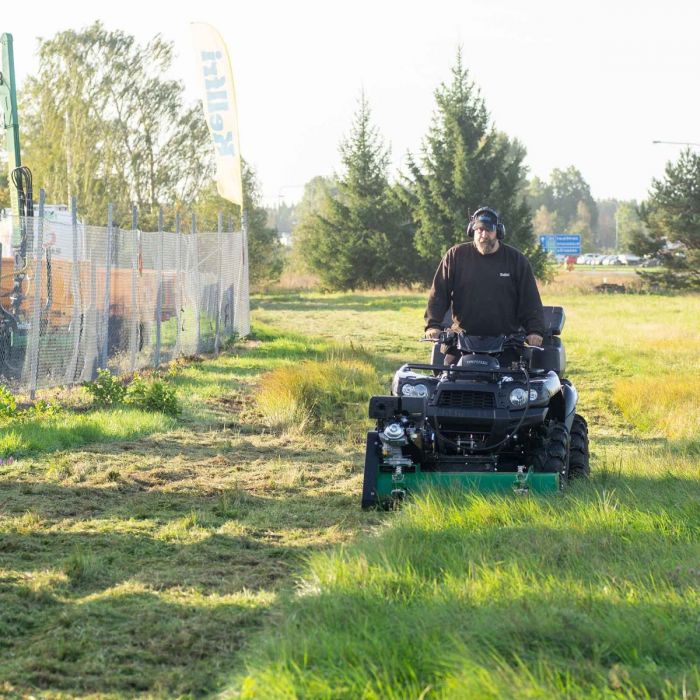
[489, 294]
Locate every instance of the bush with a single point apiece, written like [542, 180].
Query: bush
[107, 389]
[8, 404]
[153, 395]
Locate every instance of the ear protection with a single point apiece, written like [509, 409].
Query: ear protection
[500, 226]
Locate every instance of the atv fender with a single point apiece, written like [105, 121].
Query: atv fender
[570, 400]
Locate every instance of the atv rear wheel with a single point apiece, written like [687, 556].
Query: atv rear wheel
[579, 466]
[552, 454]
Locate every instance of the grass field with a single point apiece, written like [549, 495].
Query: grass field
[226, 552]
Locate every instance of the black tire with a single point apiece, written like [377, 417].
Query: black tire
[552, 453]
[579, 465]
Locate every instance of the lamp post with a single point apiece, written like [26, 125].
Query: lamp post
[678, 143]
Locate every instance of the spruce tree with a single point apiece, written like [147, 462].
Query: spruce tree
[672, 217]
[466, 163]
[358, 235]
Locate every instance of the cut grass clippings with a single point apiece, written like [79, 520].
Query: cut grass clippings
[138, 563]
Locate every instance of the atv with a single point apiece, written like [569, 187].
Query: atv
[501, 419]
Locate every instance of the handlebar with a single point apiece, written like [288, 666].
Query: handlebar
[515, 340]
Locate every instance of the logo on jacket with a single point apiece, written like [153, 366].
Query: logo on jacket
[504, 274]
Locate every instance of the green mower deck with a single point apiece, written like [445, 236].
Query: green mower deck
[484, 482]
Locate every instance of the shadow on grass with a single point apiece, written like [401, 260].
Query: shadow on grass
[126, 643]
[209, 567]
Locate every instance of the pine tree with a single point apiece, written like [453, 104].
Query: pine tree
[672, 216]
[466, 163]
[359, 235]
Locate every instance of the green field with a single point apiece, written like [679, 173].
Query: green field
[226, 553]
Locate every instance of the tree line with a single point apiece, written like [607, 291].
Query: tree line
[359, 228]
[100, 120]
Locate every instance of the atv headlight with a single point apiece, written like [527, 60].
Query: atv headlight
[420, 390]
[533, 395]
[518, 397]
[408, 390]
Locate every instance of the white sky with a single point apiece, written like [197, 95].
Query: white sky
[589, 84]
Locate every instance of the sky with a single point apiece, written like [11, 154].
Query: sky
[590, 84]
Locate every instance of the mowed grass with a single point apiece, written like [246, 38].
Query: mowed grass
[69, 430]
[137, 558]
[592, 594]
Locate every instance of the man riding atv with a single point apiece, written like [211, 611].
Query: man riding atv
[489, 286]
[496, 411]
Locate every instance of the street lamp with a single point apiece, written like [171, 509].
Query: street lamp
[679, 143]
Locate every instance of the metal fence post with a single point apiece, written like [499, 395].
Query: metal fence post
[231, 277]
[178, 285]
[108, 284]
[197, 291]
[90, 321]
[34, 332]
[219, 248]
[159, 291]
[77, 319]
[134, 326]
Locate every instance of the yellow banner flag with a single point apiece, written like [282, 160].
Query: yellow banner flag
[219, 100]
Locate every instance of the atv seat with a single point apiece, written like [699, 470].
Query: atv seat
[554, 318]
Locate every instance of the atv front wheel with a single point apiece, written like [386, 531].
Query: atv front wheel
[579, 466]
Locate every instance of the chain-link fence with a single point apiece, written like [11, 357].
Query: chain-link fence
[75, 298]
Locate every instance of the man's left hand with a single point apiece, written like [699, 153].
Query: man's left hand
[534, 339]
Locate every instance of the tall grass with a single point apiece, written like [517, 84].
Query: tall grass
[667, 405]
[317, 394]
[469, 596]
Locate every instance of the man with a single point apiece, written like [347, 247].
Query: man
[489, 286]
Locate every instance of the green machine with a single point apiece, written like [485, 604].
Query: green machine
[13, 330]
[8, 100]
[502, 419]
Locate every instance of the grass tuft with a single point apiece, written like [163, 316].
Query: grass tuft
[317, 395]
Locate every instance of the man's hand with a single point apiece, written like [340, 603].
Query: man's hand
[433, 333]
[534, 339]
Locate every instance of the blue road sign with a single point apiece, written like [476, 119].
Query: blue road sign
[561, 243]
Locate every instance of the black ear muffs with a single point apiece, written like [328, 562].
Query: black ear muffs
[500, 226]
